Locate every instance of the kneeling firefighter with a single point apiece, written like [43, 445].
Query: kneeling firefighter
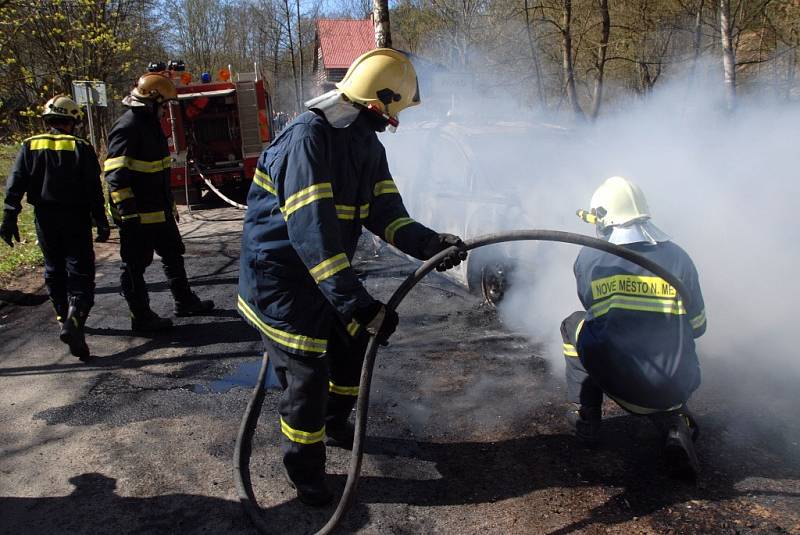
[60, 175]
[137, 171]
[635, 340]
[322, 179]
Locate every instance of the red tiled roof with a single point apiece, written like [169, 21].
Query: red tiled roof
[343, 40]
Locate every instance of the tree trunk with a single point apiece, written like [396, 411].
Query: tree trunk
[300, 49]
[600, 62]
[566, 52]
[697, 41]
[537, 68]
[298, 104]
[728, 54]
[380, 18]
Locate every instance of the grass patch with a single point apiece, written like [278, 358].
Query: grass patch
[27, 252]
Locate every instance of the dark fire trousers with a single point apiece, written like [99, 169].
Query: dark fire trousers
[581, 388]
[317, 391]
[65, 238]
[137, 245]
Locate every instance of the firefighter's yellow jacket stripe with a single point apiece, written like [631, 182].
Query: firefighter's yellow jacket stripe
[385, 186]
[264, 181]
[394, 226]
[624, 302]
[328, 268]
[698, 321]
[121, 194]
[55, 136]
[304, 197]
[342, 390]
[286, 339]
[639, 285]
[149, 218]
[128, 216]
[52, 144]
[570, 351]
[349, 212]
[302, 437]
[140, 166]
[353, 327]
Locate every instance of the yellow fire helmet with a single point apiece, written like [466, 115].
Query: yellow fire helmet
[617, 201]
[156, 87]
[62, 107]
[383, 80]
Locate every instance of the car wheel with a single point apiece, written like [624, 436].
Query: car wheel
[494, 282]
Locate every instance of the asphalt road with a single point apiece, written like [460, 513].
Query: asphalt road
[466, 431]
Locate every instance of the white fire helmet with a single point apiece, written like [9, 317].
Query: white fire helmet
[621, 214]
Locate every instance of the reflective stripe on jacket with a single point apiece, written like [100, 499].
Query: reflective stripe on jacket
[637, 341]
[137, 169]
[313, 189]
[56, 169]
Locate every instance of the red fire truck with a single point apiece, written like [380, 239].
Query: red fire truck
[216, 131]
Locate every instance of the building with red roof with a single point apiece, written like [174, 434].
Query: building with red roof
[338, 43]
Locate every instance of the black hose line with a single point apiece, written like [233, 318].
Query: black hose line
[241, 456]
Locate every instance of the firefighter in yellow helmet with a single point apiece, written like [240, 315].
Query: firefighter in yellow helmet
[137, 170]
[323, 179]
[60, 175]
[635, 340]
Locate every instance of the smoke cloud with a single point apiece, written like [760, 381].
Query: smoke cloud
[723, 185]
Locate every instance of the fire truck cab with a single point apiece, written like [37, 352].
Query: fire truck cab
[216, 132]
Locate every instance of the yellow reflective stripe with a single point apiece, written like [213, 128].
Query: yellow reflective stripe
[363, 211]
[570, 351]
[52, 144]
[664, 306]
[698, 321]
[140, 166]
[578, 329]
[345, 211]
[55, 136]
[342, 390]
[632, 285]
[330, 267]
[383, 187]
[121, 194]
[292, 341]
[305, 196]
[353, 327]
[113, 163]
[301, 437]
[394, 226]
[129, 216]
[264, 181]
[153, 217]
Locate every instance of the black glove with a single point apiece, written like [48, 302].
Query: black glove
[103, 232]
[9, 228]
[378, 321]
[439, 243]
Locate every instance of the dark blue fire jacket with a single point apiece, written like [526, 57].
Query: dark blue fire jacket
[637, 341]
[313, 189]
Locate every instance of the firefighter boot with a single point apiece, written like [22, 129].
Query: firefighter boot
[142, 318]
[61, 308]
[186, 301]
[72, 332]
[340, 434]
[586, 423]
[314, 492]
[679, 450]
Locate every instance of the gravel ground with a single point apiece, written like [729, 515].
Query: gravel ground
[466, 433]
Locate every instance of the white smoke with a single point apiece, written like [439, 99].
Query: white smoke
[724, 186]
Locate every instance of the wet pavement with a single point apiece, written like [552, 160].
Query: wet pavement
[466, 431]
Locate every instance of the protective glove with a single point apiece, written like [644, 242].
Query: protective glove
[439, 243]
[9, 228]
[378, 321]
[103, 232]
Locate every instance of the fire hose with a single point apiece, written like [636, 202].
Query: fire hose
[213, 188]
[243, 448]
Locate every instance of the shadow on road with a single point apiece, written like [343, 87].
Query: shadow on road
[95, 507]
[24, 299]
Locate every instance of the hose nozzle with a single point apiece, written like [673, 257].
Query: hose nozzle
[587, 216]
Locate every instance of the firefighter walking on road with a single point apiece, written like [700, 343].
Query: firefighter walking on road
[137, 170]
[635, 340]
[322, 179]
[60, 175]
